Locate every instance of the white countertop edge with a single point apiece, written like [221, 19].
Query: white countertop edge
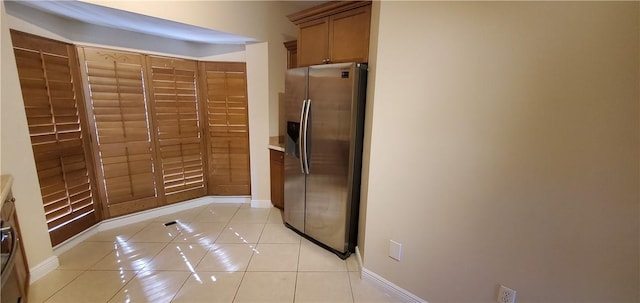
[275, 147]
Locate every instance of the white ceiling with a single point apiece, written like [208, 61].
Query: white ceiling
[118, 19]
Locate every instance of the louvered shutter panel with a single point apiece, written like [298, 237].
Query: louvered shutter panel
[228, 128]
[118, 110]
[52, 98]
[178, 127]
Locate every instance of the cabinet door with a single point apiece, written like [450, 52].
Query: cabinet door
[349, 35]
[292, 53]
[277, 178]
[313, 42]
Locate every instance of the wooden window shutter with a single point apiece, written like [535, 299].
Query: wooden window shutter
[227, 127]
[48, 73]
[180, 144]
[118, 111]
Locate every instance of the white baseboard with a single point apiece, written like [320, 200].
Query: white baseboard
[373, 277]
[228, 199]
[42, 269]
[359, 259]
[261, 204]
[168, 209]
[75, 240]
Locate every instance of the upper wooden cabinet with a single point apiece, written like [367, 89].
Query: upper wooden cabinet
[313, 42]
[292, 53]
[333, 32]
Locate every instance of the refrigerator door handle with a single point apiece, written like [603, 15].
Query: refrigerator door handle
[300, 136]
[306, 133]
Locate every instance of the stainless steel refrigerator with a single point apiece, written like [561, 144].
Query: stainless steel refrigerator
[324, 113]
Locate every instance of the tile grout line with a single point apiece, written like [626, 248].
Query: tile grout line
[353, 296]
[218, 236]
[157, 254]
[136, 272]
[254, 249]
[65, 285]
[244, 273]
[181, 286]
[83, 271]
[209, 247]
[190, 272]
[146, 264]
[295, 284]
[235, 295]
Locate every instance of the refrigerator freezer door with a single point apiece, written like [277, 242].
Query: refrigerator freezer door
[330, 131]
[294, 184]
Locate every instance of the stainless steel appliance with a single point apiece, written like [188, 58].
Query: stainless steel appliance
[324, 112]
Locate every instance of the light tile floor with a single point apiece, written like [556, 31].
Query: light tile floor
[215, 253]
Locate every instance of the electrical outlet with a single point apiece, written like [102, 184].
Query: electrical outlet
[506, 295]
[395, 250]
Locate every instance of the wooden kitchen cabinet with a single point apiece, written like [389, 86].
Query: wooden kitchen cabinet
[16, 271]
[277, 178]
[292, 53]
[333, 32]
[313, 39]
[349, 35]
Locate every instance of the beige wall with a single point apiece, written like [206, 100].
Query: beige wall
[257, 91]
[504, 150]
[368, 122]
[16, 156]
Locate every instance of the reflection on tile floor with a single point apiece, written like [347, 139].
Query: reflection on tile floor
[215, 253]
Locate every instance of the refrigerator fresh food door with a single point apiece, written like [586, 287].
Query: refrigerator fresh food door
[330, 135]
[294, 177]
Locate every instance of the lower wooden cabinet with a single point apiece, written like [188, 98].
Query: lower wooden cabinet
[277, 178]
[15, 273]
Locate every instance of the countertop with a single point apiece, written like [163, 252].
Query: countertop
[276, 143]
[5, 183]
